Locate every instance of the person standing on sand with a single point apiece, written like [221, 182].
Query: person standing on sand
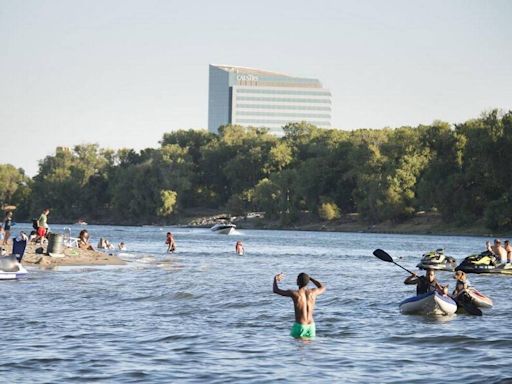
[304, 300]
[7, 227]
[42, 225]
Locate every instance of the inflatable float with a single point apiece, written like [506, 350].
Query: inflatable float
[431, 303]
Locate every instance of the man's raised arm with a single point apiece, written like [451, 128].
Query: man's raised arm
[278, 290]
[320, 287]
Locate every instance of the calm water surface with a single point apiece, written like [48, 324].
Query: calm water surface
[205, 314]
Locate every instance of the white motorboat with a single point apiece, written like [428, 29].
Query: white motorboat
[223, 228]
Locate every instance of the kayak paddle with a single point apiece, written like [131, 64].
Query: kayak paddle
[384, 256]
[465, 301]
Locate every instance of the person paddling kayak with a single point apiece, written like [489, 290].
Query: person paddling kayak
[427, 283]
[304, 300]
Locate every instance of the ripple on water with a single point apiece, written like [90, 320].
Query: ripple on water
[204, 315]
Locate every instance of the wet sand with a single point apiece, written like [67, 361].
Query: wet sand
[71, 257]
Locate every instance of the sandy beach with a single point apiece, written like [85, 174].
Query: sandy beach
[71, 257]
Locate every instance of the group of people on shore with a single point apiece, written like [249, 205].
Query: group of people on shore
[103, 244]
[41, 231]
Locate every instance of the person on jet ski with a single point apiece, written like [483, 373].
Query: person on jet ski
[427, 283]
[497, 250]
[508, 249]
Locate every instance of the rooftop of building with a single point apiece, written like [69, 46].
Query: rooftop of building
[270, 78]
[253, 71]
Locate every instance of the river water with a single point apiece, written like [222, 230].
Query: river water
[205, 314]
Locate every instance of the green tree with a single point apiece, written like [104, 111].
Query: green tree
[329, 211]
[168, 201]
[15, 189]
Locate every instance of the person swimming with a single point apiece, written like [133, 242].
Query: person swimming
[171, 243]
[239, 248]
[304, 300]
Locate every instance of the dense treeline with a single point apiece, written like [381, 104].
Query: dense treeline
[462, 171]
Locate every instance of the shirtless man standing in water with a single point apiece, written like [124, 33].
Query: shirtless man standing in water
[304, 303]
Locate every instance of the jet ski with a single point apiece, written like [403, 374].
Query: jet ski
[437, 260]
[10, 266]
[484, 262]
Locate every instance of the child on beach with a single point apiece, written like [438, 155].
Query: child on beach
[102, 244]
[83, 240]
[109, 244]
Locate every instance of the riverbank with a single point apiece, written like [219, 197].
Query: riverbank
[423, 223]
[35, 256]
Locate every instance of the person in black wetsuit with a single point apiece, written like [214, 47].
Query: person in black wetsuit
[427, 283]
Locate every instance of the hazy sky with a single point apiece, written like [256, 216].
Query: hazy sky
[120, 73]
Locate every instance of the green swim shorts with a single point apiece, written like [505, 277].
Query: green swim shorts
[303, 331]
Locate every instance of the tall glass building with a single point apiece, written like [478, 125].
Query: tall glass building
[252, 97]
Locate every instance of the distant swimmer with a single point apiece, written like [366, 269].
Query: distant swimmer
[304, 300]
[239, 248]
[171, 243]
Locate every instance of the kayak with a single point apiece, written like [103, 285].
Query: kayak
[479, 299]
[431, 303]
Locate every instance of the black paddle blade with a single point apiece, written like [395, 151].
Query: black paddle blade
[383, 255]
[468, 305]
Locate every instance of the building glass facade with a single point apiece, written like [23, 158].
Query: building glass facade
[253, 97]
